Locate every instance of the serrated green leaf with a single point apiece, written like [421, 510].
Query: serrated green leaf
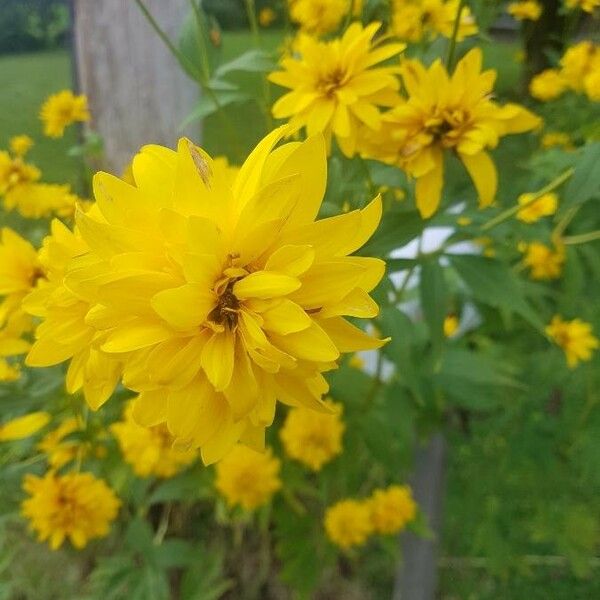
[252, 61]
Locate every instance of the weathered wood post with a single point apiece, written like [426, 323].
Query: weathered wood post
[138, 94]
[416, 578]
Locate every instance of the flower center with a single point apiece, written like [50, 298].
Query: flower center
[330, 82]
[228, 306]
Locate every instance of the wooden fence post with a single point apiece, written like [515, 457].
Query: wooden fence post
[416, 578]
[138, 94]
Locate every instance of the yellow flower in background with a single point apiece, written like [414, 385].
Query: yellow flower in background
[533, 211]
[558, 139]
[20, 145]
[416, 20]
[64, 333]
[59, 451]
[15, 172]
[312, 438]
[357, 362]
[40, 200]
[525, 10]
[75, 506]
[574, 337]
[217, 297]
[592, 82]
[585, 5]
[451, 325]
[442, 114]
[8, 372]
[348, 523]
[337, 86]
[544, 262]
[578, 62]
[392, 509]
[149, 451]
[61, 110]
[248, 478]
[547, 85]
[319, 17]
[266, 16]
[22, 427]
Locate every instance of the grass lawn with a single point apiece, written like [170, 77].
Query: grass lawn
[28, 79]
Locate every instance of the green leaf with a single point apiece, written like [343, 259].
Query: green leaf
[434, 300]
[585, 183]
[174, 553]
[395, 231]
[207, 105]
[252, 61]
[493, 283]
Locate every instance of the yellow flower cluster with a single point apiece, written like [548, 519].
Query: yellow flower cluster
[319, 17]
[544, 262]
[588, 6]
[312, 438]
[248, 478]
[543, 206]
[337, 86]
[351, 522]
[559, 139]
[417, 20]
[149, 450]
[77, 506]
[61, 110]
[579, 71]
[525, 10]
[574, 337]
[212, 297]
[444, 113]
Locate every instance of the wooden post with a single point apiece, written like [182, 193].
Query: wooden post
[137, 92]
[416, 578]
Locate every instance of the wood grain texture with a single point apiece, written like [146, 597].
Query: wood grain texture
[138, 94]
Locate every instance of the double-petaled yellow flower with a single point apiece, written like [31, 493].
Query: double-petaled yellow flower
[548, 85]
[392, 509]
[348, 523]
[543, 206]
[574, 337]
[217, 297]
[337, 87]
[61, 110]
[544, 262]
[75, 506]
[443, 113]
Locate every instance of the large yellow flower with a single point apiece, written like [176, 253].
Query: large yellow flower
[77, 506]
[61, 110]
[443, 113]
[313, 438]
[574, 337]
[336, 86]
[64, 334]
[148, 450]
[415, 20]
[248, 478]
[218, 296]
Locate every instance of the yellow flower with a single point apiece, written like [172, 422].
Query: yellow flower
[592, 83]
[578, 62]
[530, 10]
[14, 172]
[149, 451]
[8, 372]
[266, 16]
[218, 297]
[348, 523]
[415, 20]
[451, 324]
[442, 114]
[391, 509]
[58, 450]
[544, 262]
[585, 5]
[547, 85]
[38, 200]
[77, 506]
[61, 110]
[22, 427]
[357, 362]
[533, 211]
[311, 438]
[64, 333]
[248, 478]
[464, 221]
[574, 337]
[320, 16]
[557, 139]
[336, 85]
[20, 145]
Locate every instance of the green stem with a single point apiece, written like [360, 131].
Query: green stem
[200, 29]
[163, 525]
[564, 223]
[251, 13]
[509, 212]
[584, 238]
[452, 42]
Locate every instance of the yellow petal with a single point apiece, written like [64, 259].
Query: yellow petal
[285, 317]
[310, 344]
[482, 170]
[217, 359]
[184, 307]
[263, 284]
[150, 408]
[349, 338]
[22, 427]
[291, 260]
[429, 189]
[135, 335]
